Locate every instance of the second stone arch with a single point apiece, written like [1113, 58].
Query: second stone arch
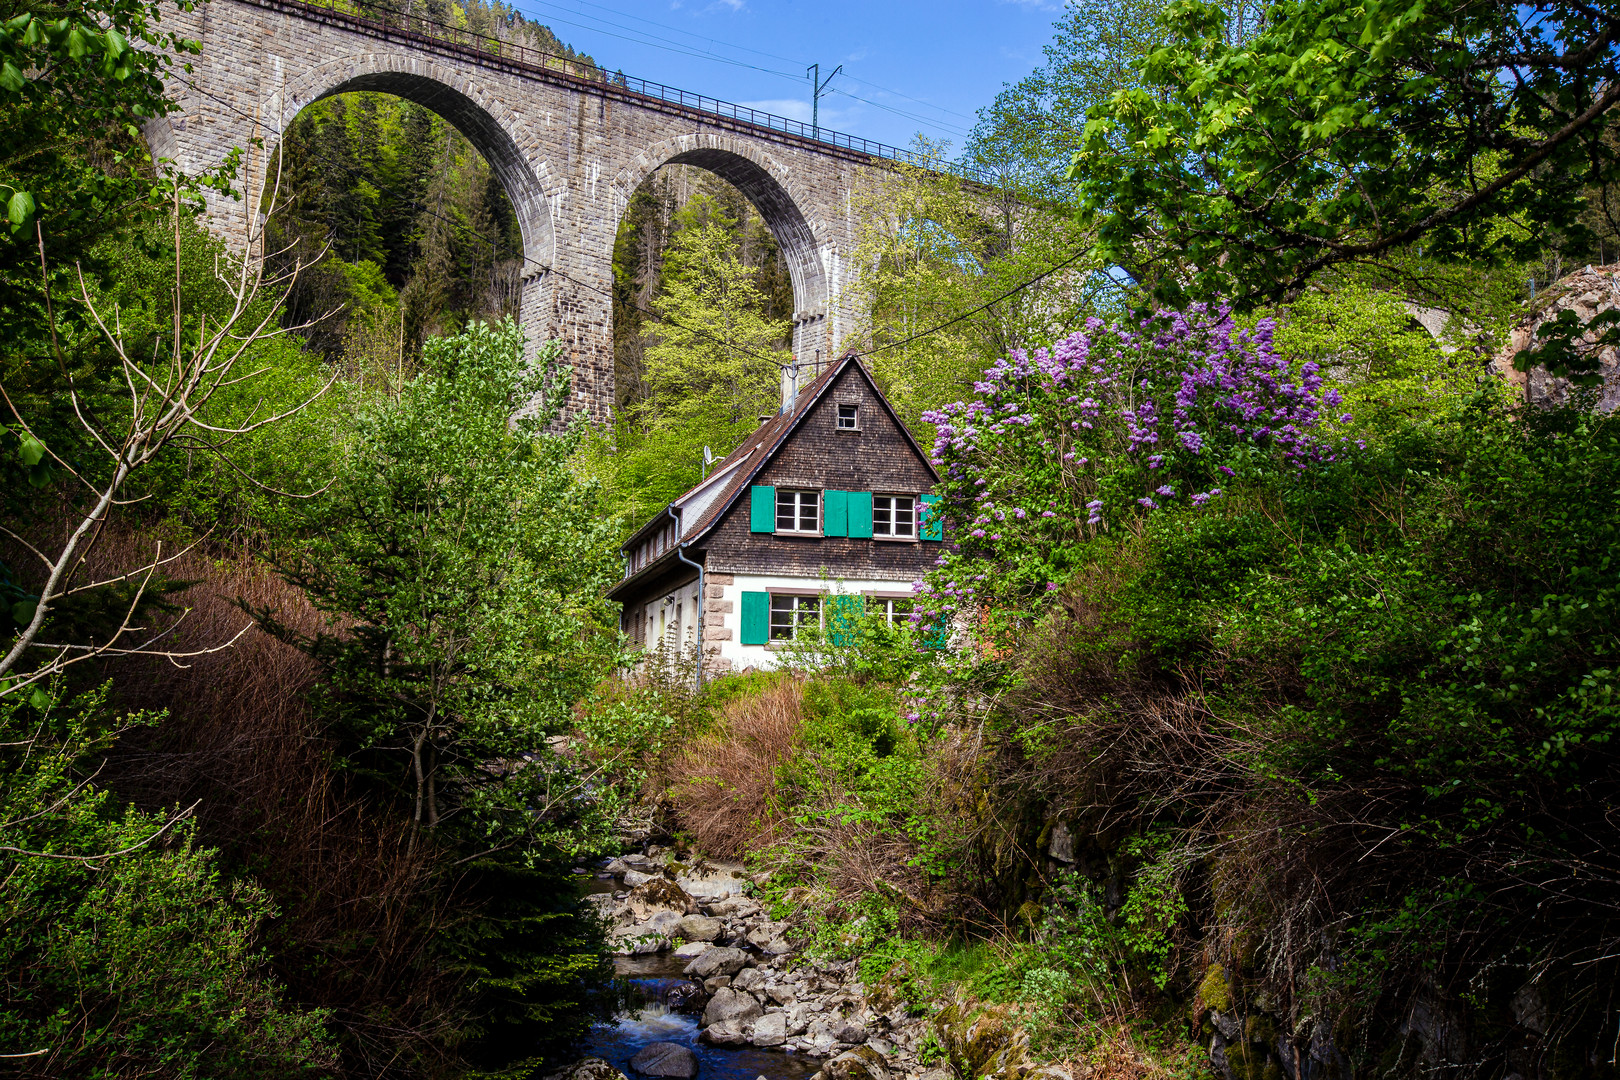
[813, 242]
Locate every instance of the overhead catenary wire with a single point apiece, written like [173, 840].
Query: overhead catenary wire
[901, 112]
[1014, 291]
[733, 45]
[699, 331]
[718, 58]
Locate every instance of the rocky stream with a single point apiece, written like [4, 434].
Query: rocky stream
[716, 989]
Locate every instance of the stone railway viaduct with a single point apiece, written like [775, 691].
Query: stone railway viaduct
[569, 144]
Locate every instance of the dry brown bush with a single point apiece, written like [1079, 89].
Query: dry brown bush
[356, 907]
[724, 787]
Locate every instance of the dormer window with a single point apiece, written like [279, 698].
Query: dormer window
[849, 418]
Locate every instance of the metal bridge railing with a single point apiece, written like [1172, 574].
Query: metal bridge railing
[380, 20]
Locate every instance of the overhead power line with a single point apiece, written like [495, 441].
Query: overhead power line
[729, 45]
[1015, 290]
[699, 331]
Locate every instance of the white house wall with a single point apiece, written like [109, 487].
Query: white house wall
[724, 615]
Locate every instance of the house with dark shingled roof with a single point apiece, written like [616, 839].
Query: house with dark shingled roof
[824, 507]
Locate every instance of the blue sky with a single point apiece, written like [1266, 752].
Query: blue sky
[936, 61]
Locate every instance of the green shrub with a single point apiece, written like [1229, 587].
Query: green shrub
[125, 950]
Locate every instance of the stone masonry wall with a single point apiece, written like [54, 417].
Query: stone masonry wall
[569, 154]
[716, 626]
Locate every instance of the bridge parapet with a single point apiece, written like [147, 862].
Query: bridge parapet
[392, 24]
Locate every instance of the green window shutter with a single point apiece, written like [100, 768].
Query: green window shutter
[835, 513]
[762, 509]
[843, 618]
[932, 527]
[938, 635]
[860, 514]
[756, 617]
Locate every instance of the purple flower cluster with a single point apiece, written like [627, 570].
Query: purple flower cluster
[1173, 388]
[1114, 421]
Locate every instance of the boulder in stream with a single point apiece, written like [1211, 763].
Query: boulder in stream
[657, 894]
[740, 907]
[729, 1004]
[770, 1030]
[725, 1033]
[663, 922]
[849, 1031]
[665, 1059]
[701, 928]
[724, 961]
[636, 941]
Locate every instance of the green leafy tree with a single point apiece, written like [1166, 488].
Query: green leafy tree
[77, 82]
[933, 248]
[1342, 135]
[1028, 134]
[463, 565]
[716, 356]
[712, 365]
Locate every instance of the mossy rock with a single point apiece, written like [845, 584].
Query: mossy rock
[857, 1063]
[1261, 1029]
[1214, 992]
[983, 1042]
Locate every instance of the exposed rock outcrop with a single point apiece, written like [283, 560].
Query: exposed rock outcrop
[1586, 292]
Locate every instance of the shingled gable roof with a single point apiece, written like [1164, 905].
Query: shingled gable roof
[745, 463]
[761, 446]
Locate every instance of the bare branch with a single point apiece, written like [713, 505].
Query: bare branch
[167, 825]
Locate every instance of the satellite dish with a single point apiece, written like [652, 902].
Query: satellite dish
[708, 456]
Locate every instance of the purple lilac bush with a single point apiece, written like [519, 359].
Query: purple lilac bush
[1118, 421]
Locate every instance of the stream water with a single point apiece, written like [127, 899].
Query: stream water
[651, 1010]
[650, 982]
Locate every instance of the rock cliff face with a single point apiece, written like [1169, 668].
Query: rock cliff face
[1586, 292]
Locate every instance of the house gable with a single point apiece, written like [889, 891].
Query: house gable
[878, 456]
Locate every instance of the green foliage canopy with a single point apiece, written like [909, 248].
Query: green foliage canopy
[468, 565]
[463, 565]
[1341, 133]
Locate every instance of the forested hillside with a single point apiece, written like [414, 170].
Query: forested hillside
[1257, 719]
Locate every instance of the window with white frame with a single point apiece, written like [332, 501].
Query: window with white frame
[849, 418]
[792, 613]
[798, 511]
[894, 609]
[894, 515]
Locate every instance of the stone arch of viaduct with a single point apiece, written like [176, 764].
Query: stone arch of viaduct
[569, 155]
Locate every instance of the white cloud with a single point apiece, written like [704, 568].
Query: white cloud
[734, 5]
